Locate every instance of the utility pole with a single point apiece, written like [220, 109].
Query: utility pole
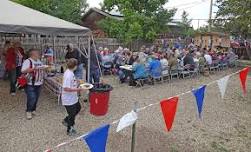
[210, 16]
[210, 23]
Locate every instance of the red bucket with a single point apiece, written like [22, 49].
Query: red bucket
[99, 102]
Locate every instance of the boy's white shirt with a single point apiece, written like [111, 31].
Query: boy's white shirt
[69, 81]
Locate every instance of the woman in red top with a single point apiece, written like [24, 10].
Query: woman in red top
[14, 61]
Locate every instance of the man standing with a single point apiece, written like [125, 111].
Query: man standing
[96, 59]
[34, 69]
[75, 53]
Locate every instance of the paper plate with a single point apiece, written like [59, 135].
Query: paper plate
[43, 66]
[86, 86]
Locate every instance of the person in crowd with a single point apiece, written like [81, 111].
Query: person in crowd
[6, 46]
[163, 61]
[35, 71]
[222, 58]
[155, 67]
[138, 72]
[107, 57]
[172, 61]
[75, 53]
[101, 50]
[208, 58]
[202, 61]
[231, 55]
[95, 60]
[129, 58]
[14, 60]
[188, 60]
[142, 56]
[120, 59]
[48, 54]
[10, 67]
[176, 52]
[70, 96]
[148, 50]
[20, 56]
[196, 56]
[107, 61]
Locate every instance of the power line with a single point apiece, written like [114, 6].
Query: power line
[185, 4]
[202, 19]
[191, 6]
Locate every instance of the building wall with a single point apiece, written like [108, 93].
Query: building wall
[218, 40]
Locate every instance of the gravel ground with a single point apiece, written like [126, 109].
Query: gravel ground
[226, 124]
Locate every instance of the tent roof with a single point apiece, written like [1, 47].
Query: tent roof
[16, 18]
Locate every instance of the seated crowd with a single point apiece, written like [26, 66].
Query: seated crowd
[152, 64]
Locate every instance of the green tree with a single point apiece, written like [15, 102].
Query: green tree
[185, 23]
[69, 10]
[235, 16]
[142, 19]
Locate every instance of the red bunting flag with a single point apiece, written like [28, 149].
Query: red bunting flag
[169, 107]
[243, 78]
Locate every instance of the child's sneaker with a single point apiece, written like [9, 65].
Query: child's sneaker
[28, 115]
[33, 113]
[71, 132]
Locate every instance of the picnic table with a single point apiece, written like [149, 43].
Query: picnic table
[54, 85]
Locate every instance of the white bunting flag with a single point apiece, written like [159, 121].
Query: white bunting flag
[222, 83]
[127, 120]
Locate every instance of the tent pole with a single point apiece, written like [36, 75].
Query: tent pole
[53, 46]
[89, 59]
[79, 43]
[95, 51]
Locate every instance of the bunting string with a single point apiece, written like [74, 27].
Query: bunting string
[137, 110]
[184, 93]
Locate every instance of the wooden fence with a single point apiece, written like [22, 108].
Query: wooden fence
[58, 43]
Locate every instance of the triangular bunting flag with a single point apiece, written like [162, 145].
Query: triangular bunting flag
[243, 78]
[199, 95]
[168, 108]
[222, 83]
[96, 139]
[127, 120]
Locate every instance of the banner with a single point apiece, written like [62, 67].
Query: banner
[169, 108]
[199, 95]
[222, 83]
[96, 139]
[127, 120]
[243, 78]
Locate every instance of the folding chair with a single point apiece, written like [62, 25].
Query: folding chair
[174, 72]
[195, 71]
[107, 68]
[185, 71]
[140, 82]
[165, 74]
[156, 75]
[214, 66]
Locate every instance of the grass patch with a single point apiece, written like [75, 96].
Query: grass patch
[218, 147]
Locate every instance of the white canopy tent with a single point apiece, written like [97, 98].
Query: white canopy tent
[16, 18]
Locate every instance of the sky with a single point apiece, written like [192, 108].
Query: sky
[197, 9]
